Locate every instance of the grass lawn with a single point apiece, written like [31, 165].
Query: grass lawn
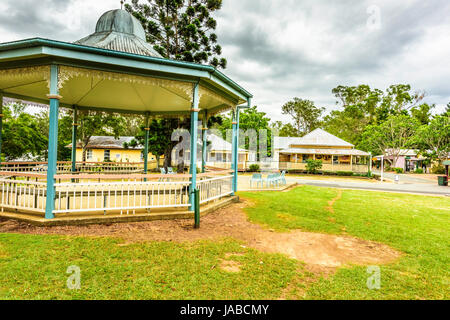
[34, 267]
[418, 226]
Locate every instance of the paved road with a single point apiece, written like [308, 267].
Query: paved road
[405, 178]
[425, 188]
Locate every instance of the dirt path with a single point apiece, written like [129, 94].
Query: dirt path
[332, 202]
[318, 251]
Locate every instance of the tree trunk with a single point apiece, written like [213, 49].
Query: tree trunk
[167, 158]
[158, 158]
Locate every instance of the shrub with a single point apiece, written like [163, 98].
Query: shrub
[419, 171]
[439, 169]
[398, 170]
[344, 173]
[313, 166]
[254, 168]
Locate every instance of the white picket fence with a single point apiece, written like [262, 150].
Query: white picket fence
[126, 197]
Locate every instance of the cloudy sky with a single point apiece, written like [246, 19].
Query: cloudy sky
[280, 49]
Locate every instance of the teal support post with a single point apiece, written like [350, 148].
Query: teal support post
[74, 139]
[236, 146]
[147, 133]
[52, 142]
[205, 141]
[234, 156]
[194, 137]
[1, 125]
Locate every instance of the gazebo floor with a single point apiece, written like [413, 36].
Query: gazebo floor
[110, 218]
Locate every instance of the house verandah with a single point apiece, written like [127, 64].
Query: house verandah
[334, 153]
[81, 77]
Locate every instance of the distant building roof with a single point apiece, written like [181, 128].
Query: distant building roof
[318, 137]
[285, 142]
[106, 142]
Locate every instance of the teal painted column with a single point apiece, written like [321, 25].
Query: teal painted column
[234, 158]
[147, 133]
[194, 137]
[52, 142]
[236, 151]
[74, 139]
[205, 141]
[1, 125]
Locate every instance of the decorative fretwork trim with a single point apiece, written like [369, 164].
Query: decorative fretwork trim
[42, 72]
[183, 88]
[205, 92]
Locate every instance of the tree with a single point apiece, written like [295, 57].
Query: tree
[251, 119]
[98, 123]
[391, 137]
[362, 106]
[305, 114]
[284, 130]
[434, 139]
[423, 113]
[21, 134]
[65, 122]
[181, 29]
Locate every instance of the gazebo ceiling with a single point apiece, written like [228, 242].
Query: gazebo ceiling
[95, 77]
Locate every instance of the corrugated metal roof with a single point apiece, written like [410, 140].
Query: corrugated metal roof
[106, 142]
[285, 142]
[331, 152]
[118, 30]
[320, 137]
[317, 137]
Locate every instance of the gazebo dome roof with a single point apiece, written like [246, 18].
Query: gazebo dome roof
[118, 30]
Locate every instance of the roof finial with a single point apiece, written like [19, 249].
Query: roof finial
[121, 4]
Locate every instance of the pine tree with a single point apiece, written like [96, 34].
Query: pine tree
[181, 29]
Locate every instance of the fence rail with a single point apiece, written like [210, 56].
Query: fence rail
[88, 193]
[120, 196]
[23, 195]
[215, 188]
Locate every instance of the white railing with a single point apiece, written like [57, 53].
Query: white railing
[215, 188]
[23, 195]
[102, 193]
[120, 196]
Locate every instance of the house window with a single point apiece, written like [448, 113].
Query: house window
[107, 155]
[219, 157]
[335, 160]
[117, 157]
[89, 155]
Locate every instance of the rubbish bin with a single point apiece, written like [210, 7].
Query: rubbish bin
[443, 181]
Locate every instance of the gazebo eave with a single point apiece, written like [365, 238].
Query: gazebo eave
[38, 51]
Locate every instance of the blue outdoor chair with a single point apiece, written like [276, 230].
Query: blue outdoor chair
[257, 177]
[283, 178]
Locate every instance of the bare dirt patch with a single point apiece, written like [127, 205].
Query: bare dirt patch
[230, 266]
[320, 252]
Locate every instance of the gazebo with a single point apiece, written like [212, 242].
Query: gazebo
[113, 70]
